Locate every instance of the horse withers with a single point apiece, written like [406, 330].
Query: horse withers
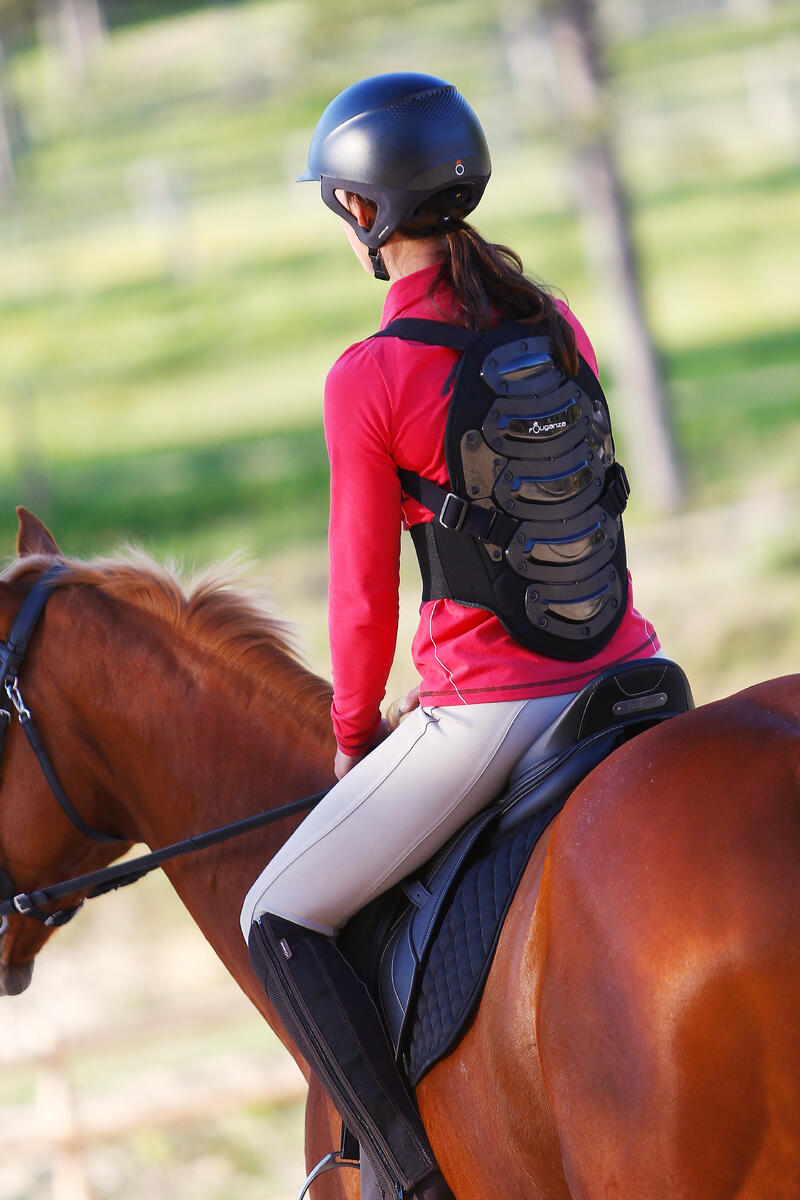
[637, 1037]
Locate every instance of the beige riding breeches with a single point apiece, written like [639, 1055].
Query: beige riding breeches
[395, 808]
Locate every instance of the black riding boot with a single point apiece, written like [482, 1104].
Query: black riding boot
[330, 1016]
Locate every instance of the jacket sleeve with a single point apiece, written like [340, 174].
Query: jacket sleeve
[364, 545]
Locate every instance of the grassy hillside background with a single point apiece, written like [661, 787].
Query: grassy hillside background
[170, 303]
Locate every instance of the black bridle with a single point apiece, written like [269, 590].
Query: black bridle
[95, 883]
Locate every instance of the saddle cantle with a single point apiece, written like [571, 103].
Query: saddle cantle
[425, 948]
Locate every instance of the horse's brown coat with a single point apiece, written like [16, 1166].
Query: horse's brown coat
[638, 1037]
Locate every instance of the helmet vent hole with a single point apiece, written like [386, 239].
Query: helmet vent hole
[443, 105]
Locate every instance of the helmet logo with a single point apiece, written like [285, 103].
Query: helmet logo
[459, 167]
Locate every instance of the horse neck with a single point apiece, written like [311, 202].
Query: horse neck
[188, 746]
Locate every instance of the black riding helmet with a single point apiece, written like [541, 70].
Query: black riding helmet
[408, 142]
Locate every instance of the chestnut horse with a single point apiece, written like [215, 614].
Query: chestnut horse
[639, 1035]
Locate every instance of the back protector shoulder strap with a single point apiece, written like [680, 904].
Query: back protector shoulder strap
[530, 527]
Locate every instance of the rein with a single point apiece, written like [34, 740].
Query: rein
[28, 904]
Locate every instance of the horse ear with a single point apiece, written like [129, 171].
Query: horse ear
[34, 537]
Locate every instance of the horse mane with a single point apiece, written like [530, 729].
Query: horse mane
[231, 624]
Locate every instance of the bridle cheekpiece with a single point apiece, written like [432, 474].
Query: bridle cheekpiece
[12, 656]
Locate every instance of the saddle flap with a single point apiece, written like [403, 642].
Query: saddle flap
[409, 938]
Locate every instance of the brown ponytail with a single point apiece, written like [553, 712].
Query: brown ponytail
[488, 283]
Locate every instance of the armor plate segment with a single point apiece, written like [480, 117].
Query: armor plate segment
[520, 367]
[547, 548]
[573, 610]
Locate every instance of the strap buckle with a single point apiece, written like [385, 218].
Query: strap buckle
[15, 696]
[617, 492]
[454, 512]
[494, 533]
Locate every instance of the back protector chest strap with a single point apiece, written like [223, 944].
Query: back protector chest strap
[530, 528]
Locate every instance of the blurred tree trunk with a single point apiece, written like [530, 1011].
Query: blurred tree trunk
[7, 174]
[76, 29]
[604, 214]
[81, 28]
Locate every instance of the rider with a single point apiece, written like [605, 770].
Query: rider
[402, 160]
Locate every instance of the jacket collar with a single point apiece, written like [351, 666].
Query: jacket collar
[409, 293]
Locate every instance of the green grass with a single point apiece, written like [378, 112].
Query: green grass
[161, 371]
[273, 488]
[682, 46]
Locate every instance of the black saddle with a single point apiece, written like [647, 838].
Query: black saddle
[424, 948]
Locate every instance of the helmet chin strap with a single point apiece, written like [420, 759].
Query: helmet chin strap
[378, 266]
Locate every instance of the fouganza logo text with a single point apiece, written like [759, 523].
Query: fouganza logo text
[548, 427]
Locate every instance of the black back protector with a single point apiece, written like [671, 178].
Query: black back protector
[531, 527]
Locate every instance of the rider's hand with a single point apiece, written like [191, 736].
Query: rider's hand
[411, 701]
[345, 762]
[401, 708]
